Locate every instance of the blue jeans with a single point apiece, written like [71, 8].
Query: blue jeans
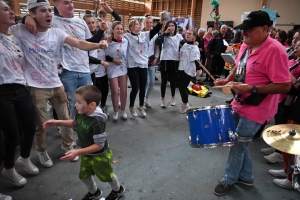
[239, 164]
[150, 80]
[72, 81]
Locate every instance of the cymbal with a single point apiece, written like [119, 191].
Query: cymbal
[284, 137]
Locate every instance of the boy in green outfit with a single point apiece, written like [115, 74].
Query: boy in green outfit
[96, 155]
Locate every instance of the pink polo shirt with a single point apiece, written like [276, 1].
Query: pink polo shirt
[267, 64]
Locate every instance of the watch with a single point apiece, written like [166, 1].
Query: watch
[254, 90]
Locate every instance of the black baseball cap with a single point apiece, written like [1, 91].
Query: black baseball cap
[254, 19]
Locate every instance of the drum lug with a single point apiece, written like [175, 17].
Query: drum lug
[197, 138]
[216, 112]
[194, 115]
[187, 118]
[232, 135]
[220, 138]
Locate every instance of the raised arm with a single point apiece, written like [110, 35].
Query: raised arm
[84, 45]
[111, 11]
[155, 30]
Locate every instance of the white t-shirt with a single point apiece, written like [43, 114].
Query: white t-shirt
[188, 54]
[41, 55]
[117, 50]
[170, 47]
[73, 59]
[152, 45]
[11, 60]
[138, 49]
[100, 70]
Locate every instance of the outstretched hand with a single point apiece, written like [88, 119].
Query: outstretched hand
[70, 155]
[49, 123]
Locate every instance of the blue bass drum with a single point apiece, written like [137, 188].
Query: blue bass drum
[211, 126]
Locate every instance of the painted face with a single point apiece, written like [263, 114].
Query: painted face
[148, 24]
[65, 7]
[90, 21]
[118, 31]
[43, 17]
[7, 16]
[189, 36]
[81, 105]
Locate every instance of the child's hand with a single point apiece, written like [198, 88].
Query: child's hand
[105, 64]
[49, 123]
[70, 155]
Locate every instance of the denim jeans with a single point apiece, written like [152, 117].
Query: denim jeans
[150, 80]
[239, 164]
[72, 81]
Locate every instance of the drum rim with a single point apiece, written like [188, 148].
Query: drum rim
[207, 108]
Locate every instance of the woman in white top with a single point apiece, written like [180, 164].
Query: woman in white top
[116, 55]
[169, 59]
[16, 107]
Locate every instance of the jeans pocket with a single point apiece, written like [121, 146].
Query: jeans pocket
[247, 128]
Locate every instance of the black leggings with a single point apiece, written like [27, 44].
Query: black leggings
[168, 71]
[138, 79]
[16, 108]
[102, 85]
[184, 80]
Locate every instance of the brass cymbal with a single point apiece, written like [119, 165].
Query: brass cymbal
[284, 137]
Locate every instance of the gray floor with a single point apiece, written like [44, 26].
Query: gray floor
[155, 161]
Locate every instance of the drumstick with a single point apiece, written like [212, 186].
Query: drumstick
[222, 86]
[213, 78]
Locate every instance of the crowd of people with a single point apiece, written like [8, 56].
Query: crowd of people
[71, 63]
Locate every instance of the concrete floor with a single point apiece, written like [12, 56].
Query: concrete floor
[155, 161]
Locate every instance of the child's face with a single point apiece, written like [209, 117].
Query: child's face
[81, 105]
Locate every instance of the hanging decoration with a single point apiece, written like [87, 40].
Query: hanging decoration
[272, 14]
[215, 9]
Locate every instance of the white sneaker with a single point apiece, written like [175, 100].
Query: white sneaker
[267, 151]
[5, 197]
[27, 165]
[44, 158]
[123, 114]
[13, 177]
[184, 108]
[278, 173]
[142, 111]
[284, 183]
[133, 113]
[147, 104]
[115, 116]
[66, 149]
[163, 103]
[274, 158]
[173, 102]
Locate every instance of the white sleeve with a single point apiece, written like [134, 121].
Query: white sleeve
[16, 30]
[61, 35]
[195, 53]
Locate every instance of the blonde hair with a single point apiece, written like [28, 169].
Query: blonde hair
[131, 23]
[144, 21]
[114, 24]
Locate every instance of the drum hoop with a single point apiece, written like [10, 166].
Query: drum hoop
[207, 108]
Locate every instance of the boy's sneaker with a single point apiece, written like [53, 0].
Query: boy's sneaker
[284, 183]
[184, 108]
[5, 197]
[13, 177]
[66, 149]
[133, 113]
[278, 173]
[104, 109]
[94, 196]
[123, 114]
[163, 103]
[222, 188]
[115, 116]
[173, 102]
[142, 111]
[27, 165]
[245, 182]
[147, 104]
[267, 151]
[44, 158]
[274, 158]
[116, 195]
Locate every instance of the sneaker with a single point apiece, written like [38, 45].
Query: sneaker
[66, 149]
[116, 195]
[173, 102]
[278, 173]
[274, 158]
[184, 108]
[244, 182]
[5, 197]
[94, 196]
[13, 177]
[123, 114]
[267, 151]
[142, 111]
[147, 104]
[104, 109]
[133, 113]
[44, 158]
[284, 183]
[222, 188]
[115, 116]
[163, 103]
[27, 165]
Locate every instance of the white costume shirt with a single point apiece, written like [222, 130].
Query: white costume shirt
[188, 54]
[73, 59]
[152, 45]
[11, 60]
[100, 70]
[41, 55]
[117, 50]
[170, 47]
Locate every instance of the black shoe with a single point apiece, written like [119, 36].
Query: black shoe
[245, 182]
[222, 188]
[156, 78]
[94, 196]
[116, 195]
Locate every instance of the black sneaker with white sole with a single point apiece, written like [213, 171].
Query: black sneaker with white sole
[115, 195]
[94, 196]
[244, 182]
[222, 188]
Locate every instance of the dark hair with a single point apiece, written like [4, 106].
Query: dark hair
[90, 93]
[18, 18]
[33, 10]
[282, 36]
[87, 16]
[237, 37]
[167, 25]
[103, 12]
[147, 15]
[88, 12]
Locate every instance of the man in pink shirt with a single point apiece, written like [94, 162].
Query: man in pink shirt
[262, 63]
